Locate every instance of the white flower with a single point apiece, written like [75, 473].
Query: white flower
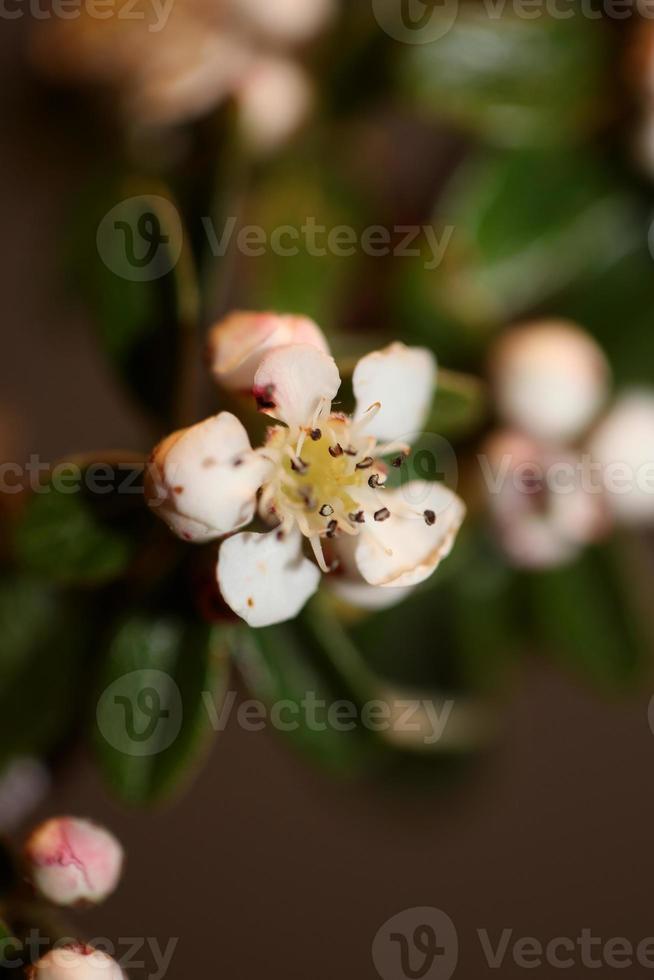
[550, 379]
[544, 513]
[319, 476]
[624, 446]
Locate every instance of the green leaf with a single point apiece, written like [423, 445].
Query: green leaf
[587, 619]
[512, 80]
[460, 405]
[154, 718]
[44, 635]
[527, 224]
[75, 537]
[618, 308]
[287, 663]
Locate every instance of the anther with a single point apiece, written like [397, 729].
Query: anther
[383, 514]
[316, 434]
[430, 518]
[397, 462]
[299, 466]
[366, 463]
[358, 518]
[332, 527]
[336, 450]
[350, 451]
[326, 510]
[374, 481]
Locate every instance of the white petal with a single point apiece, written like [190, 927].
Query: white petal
[238, 343]
[292, 382]
[203, 480]
[404, 550]
[402, 379]
[266, 580]
[364, 596]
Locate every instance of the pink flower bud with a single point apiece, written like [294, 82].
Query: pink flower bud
[550, 379]
[73, 862]
[238, 344]
[76, 962]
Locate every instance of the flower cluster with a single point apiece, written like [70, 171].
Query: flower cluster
[320, 475]
[171, 62]
[551, 381]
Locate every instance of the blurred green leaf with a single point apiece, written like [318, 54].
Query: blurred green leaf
[585, 616]
[288, 663]
[527, 224]
[302, 193]
[516, 81]
[61, 536]
[153, 720]
[44, 636]
[460, 405]
[617, 306]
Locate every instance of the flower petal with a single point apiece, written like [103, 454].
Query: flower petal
[266, 580]
[364, 596]
[292, 382]
[203, 480]
[402, 379]
[238, 344]
[404, 550]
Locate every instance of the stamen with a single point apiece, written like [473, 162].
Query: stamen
[430, 518]
[367, 417]
[298, 465]
[350, 451]
[335, 451]
[365, 464]
[332, 528]
[316, 434]
[383, 514]
[358, 518]
[326, 510]
[374, 481]
[316, 545]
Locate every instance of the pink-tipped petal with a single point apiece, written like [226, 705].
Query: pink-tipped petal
[72, 861]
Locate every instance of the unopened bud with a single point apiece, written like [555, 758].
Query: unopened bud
[550, 379]
[75, 962]
[623, 445]
[73, 862]
[273, 100]
[238, 344]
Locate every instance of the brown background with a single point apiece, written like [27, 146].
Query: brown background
[268, 868]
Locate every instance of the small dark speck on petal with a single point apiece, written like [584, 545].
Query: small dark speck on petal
[178, 490]
[208, 462]
[250, 602]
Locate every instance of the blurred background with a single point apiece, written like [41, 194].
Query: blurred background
[526, 145]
